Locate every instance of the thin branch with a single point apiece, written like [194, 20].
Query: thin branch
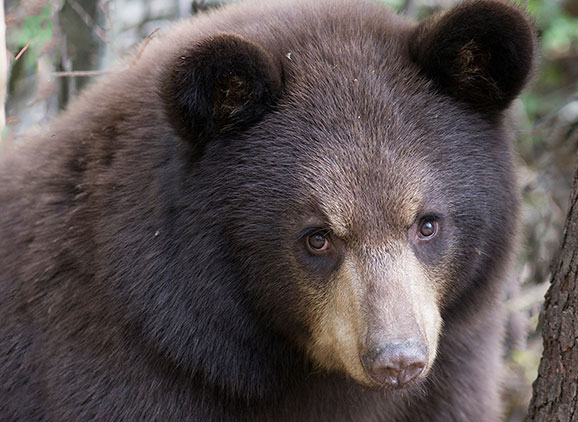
[143, 46]
[83, 73]
[22, 51]
[87, 19]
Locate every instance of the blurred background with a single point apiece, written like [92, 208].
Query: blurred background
[56, 47]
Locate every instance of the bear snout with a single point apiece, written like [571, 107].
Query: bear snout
[396, 363]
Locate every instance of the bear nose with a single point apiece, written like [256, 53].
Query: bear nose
[396, 363]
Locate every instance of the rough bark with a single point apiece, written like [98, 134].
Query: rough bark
[555, 395]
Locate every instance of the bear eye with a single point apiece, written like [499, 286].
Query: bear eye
[318, 241]
[428, 228]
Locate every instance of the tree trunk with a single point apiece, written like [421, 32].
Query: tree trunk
[555, 395]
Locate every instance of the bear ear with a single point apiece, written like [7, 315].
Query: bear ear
[480, 52]
[222, 84]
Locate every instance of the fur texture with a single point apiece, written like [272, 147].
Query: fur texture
[158, 247]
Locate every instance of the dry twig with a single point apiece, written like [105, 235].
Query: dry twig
[22, 51]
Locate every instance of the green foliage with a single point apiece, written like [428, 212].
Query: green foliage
[559, 30]
[36, 29]
[555, 79]
[561, 33]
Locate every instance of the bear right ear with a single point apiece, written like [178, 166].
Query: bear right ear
[481, 52]
[222, 84]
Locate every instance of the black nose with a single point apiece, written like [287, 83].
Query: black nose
[395, 363]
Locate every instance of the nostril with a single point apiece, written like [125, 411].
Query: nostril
[411, 372]
[396, 363]
[386, 374]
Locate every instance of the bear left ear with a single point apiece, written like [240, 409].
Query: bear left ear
[481, 52]
[222, 84]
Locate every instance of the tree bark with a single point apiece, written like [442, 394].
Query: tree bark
[555, 395]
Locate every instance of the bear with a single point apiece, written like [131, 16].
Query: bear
[298, 210]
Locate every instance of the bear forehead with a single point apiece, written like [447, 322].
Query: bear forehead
[367, 150]
[366, 194]
[355, 113]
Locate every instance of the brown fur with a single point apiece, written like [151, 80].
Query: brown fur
[154, 244]
[481, 51]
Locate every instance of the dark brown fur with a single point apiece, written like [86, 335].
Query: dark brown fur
[152, 253]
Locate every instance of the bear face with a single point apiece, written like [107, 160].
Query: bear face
[373, 181]
[264, 212]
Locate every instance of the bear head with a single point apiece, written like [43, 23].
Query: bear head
[360, 173]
